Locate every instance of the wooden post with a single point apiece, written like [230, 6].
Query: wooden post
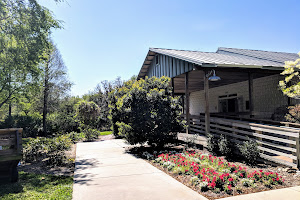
[250, 90]
[172, 84]
[206, 92]
[298, 151]
[187, 102]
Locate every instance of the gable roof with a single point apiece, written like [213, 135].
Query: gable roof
[226, 57]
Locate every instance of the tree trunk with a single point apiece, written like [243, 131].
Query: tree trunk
[9, 109]
[46, 93]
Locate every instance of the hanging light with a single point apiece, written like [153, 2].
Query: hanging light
[214, 77]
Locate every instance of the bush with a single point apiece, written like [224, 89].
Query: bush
[34, 149]
[91, 134]
[76, 137]
[293, 114]
[87, 113]
[249, 151]
[52, 150]
[61, 122]
[31, 124]
[212, 145]
[225, 147]
[146, 112]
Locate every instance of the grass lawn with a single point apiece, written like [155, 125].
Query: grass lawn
[106, 133]
[34, 187]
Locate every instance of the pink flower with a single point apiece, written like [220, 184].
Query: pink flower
[230, 179]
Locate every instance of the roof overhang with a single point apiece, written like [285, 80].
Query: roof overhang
[152, 52]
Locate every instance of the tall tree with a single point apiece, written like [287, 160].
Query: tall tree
[56, 83]
[25, 27]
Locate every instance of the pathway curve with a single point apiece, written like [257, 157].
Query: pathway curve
[104, 171]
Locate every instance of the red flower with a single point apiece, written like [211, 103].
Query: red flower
[241, 175]
[213, 184]
[230, 179]
[229, 187]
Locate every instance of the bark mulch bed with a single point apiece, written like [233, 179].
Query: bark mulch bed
[290, 179]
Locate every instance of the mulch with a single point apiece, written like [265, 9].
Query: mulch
[291, 179]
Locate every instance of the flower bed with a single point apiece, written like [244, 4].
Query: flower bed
[214, 176]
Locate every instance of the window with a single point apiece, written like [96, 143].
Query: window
[156, 60]
[247, 105]
[228, 103]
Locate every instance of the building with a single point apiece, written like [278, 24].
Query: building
[246, 92]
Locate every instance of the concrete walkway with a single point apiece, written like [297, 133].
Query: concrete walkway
[104, 171]
[292, 193]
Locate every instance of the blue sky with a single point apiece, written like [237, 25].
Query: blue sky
[102, 40]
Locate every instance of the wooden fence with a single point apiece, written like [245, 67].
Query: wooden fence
[278, 144]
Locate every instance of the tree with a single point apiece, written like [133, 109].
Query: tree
[101, 97]
[25, 27]
[56, 84]
[145, 111]
[290, 86]
[87, 113]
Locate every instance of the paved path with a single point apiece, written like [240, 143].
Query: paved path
[292, 193]
[104, 171]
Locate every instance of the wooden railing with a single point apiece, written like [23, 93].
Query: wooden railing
[11, 143]
[278, 144]
[10, 154]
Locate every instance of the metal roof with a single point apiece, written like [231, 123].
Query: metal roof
[279, 57]
[226, 57]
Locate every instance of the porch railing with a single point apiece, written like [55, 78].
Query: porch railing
[278, 144]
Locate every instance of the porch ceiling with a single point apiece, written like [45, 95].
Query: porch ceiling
[228, 76]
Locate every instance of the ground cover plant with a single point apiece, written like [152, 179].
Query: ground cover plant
[212, 176]
[35, 187]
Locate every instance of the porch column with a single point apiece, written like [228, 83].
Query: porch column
[187, 102]
[206, 93]
[250, 90]
[172, 84]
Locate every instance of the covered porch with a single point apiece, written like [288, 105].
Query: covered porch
[241, 107]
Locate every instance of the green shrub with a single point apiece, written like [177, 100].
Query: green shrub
[31, 124]
[224, 146]
[87, 113]
[76, 137]
[212, 145]
[55, 150]
[61, 122]
[34, 149]
[51, 150]
[91, 134]
[249, 151]
[146, 112]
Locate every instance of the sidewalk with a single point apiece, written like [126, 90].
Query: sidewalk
[104, 171]
[292, 193]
